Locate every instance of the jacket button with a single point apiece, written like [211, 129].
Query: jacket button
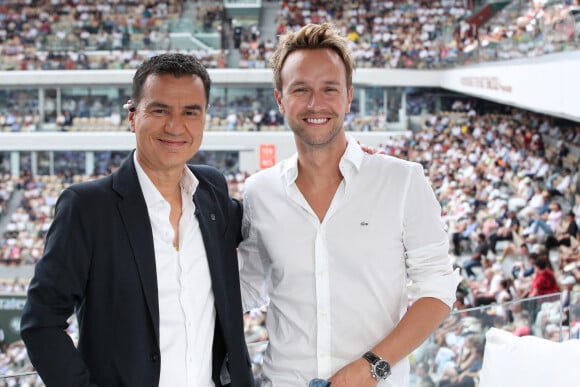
[155, 357]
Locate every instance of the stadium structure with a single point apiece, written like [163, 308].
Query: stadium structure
[62, 112]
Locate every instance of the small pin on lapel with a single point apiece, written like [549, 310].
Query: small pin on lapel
[212, 216]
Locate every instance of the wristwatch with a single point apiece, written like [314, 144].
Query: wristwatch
[380, 368]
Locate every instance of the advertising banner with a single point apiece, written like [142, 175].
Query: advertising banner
[267, 155]
[10, 311]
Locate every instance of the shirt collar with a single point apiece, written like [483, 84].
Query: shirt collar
[188, 183]
[349, 165]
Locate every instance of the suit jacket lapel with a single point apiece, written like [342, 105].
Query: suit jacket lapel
[204, 208]
[133, 210]
[208, 223]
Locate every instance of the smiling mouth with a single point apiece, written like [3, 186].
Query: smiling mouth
[317, 121]
[172, 142]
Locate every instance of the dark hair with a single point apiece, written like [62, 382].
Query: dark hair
[541, 263]
[311, 37]
[175, 64]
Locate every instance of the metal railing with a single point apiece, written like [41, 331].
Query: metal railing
[544, 316]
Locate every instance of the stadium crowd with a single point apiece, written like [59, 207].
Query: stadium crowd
[390, 34]
[498, 176]
[59, 33]
[424, 35]
[508, 182]
[407, 34]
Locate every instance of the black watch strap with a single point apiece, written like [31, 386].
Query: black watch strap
[371, 357]
[380, 368]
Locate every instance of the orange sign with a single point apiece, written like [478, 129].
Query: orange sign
[267, 155]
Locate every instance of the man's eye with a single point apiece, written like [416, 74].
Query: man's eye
[193, 115]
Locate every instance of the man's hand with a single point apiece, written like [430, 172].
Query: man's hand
[369, 149]
[355, 374]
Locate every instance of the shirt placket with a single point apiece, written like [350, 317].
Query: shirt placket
[182, 303]
[321, 279]
[323, 306]
[323, 334]
[184, 298]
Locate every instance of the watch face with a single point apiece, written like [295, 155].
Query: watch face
[382, 369]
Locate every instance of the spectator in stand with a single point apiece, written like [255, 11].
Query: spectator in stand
[544, 281]
[563, 183]
[478, 258]
[534, 204]
[231, 121]
[468, 364]
[568, 283]
[465, 230]
[462, 299]
[569, 257]
[65, 120]
[548, 223]
[507, 290]
[257, 120]
[505, 232]
[485, 292]
[496, 212]
[563, 235]
[523, 193]
[543, 170]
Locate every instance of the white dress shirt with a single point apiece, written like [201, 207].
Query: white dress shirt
[186, 301]
[336, 288]
[564, 183]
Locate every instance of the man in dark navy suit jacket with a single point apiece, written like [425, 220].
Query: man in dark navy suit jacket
[146, 257]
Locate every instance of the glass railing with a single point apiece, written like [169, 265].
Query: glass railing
[452, 348]
[439, 357]
[243, 2]
[463, 333]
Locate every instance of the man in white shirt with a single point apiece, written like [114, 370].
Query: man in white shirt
[563, 184]
[337, 240]
[146, 257]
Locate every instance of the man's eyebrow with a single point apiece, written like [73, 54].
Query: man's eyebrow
[305, 83]
[155, 104]
[193, 107]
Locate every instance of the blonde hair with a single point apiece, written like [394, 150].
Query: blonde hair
[311, 37]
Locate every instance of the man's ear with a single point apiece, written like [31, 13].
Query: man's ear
[131, 109]
[131, 119]
[278, 97]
